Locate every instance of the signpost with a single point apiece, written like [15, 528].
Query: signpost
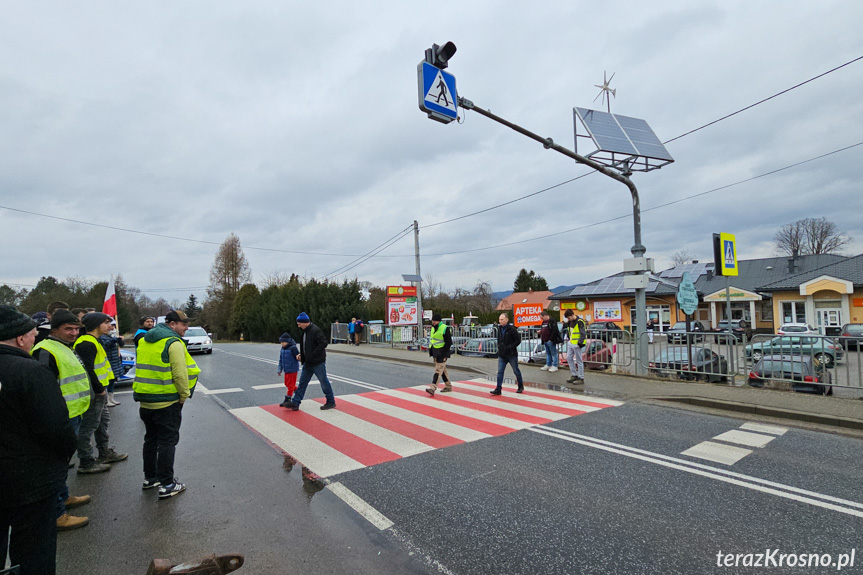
[687, 298]
[725, 264]
[437, 94]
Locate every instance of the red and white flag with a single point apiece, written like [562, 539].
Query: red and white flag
[110, 305]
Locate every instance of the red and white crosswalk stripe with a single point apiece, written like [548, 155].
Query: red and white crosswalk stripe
[378, 426]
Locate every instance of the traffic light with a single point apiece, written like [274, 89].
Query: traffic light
[438, 56]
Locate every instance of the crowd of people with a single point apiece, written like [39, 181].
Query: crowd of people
[57, 372]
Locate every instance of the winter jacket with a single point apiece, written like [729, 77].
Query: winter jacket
[139, 334]
[288, 358]
[313, 346]
[36, 435]
[507, 341]
[441, 353]
[111, 345]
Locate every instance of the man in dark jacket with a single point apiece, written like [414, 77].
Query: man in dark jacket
[146, 324]
[36, 441]
[440, 342]
[508, 339]
[313, 356]
[549, 334]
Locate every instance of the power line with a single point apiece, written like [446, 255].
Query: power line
[594, 224]
[380, 247]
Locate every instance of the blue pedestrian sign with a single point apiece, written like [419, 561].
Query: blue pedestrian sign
[437, 93]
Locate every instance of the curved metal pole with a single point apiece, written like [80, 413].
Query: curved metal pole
[637, 249]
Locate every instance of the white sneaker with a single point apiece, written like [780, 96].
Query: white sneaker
[544, 368]
[552, 369]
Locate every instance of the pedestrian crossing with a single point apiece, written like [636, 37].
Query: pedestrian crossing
[384, 425]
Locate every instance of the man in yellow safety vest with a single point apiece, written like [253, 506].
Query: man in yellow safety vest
[440, 342]
[575, 346]
[165, 377]
[97, 418]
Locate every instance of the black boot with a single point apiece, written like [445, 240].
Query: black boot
[520, 388]
[286, 402]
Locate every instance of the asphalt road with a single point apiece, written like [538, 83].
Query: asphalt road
[605, 491]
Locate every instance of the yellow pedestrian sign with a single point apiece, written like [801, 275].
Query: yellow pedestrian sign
[725, 254]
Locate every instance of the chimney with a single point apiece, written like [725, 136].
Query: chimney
[792, 261]
[695, 261]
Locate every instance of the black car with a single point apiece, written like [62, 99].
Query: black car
[605, 330]
[851, 334]
[705, 365]
[677, 332]
[741, 330]
[802, 372]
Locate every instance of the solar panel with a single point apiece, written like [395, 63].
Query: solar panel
[622, 135]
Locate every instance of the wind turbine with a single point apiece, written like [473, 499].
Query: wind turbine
[604, 91]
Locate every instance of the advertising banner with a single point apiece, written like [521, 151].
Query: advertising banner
[402, 310]
[607, 311]
[527, 314]
[401, 291]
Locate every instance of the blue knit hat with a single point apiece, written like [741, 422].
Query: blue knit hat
[303, 318]
[286, 337]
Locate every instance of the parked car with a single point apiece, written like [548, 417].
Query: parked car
[528, 351]
[677, 332]
[198, 340]
[803, 372]
[851, 334]
[740, 330]
[605, 331]
[128, 359]
[705, 364]
[479, 347]
[795, 328]
[824, 349]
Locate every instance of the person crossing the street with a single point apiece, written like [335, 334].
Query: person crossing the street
[440, 342]
[165, 377]
[508, 340]
[313, 356]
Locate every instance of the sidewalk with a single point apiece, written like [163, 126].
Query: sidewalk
[846, 414]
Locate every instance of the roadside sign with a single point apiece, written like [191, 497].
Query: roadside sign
[527, 314]
[437, 93]
[725, 254]
[427, 314]
[687, 296]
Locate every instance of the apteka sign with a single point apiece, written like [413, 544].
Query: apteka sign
[527, 314]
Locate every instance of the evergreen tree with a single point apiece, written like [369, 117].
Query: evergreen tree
[526, 281]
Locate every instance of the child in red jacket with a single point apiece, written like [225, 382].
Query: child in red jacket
[288, 363]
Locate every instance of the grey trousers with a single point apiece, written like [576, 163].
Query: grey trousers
[575, 361]
[94, 422]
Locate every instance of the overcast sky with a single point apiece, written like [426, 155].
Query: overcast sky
[296, 126]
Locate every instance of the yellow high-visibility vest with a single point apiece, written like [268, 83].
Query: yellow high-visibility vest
[574, 333]
[436, 337]
[73, 380]
[153, 381]
[100, 365]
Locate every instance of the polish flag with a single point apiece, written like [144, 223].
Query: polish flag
[110, 305]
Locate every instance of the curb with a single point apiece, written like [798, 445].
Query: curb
[832, 420]
[404, 360]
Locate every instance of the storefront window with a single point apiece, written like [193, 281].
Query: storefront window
[793, 312]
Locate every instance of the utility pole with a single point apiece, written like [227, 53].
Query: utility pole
[419, 283]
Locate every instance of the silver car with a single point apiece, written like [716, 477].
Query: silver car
[198, 340]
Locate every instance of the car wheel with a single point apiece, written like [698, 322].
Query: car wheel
[826, 359]
[757, 355]
[209, 351]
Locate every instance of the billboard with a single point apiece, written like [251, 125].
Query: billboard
[401, 291]
[607, 311]
[527, 314]
[402, 310]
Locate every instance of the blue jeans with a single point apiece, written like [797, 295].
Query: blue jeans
[319, 371]
[551, 356]
[501, 366]
[64, 493]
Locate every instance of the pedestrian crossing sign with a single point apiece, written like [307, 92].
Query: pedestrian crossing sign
[728, 255]
[437, 93]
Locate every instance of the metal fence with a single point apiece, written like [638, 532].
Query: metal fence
[805, 363]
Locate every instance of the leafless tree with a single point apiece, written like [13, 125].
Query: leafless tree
[229, 272]
[810, 236]
[431, 287]
[823, 237]
[681, 257]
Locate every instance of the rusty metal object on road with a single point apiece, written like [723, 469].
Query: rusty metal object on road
[212, 565]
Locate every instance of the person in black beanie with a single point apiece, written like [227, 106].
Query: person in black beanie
[36, 441]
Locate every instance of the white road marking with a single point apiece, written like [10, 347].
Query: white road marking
[764, 428]
[227, 390]
[717, 452]
[389, 440]
[269, 386]
[765, 486]
[313, 453]
[745, 438]
[540, 401]
[373, 516]
[432, 423]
